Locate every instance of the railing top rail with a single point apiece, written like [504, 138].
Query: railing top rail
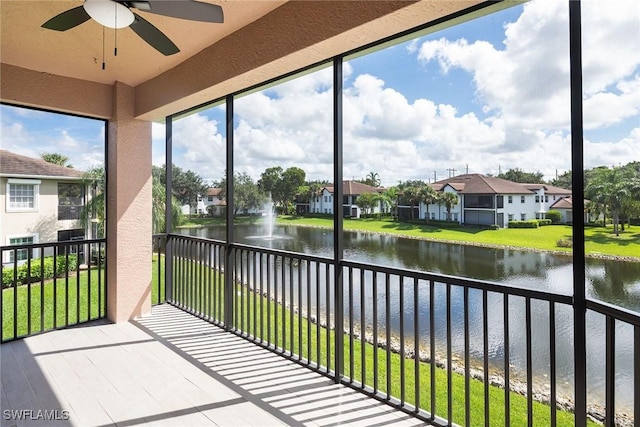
[49, 244]
[465, 282]
[619, 313]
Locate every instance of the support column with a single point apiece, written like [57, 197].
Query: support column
[129, 225]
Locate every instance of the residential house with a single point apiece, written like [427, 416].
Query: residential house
[351, 190]
[208, 204]
[487, 200]
[41, 202]
[564, 205]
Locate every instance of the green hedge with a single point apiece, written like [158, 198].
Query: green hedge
[542, 222]
[37, 273]
[532, 223]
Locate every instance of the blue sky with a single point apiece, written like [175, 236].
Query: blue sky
[487, 94]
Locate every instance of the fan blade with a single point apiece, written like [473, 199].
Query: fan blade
[153, 36]
[183, 9]
[67, 20]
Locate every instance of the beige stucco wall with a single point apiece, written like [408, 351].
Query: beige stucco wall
[42, 222]
[128, 210]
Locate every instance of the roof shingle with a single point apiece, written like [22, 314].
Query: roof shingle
[12, 164]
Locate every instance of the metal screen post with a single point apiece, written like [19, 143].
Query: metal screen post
[577, 183]
[338, 214]
[228, 252]
[168, 254]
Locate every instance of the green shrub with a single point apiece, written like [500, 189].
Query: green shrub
[554, 215]
[565, 243]
[532, 223]
[38, 270]
[542, 222]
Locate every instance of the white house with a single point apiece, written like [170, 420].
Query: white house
[41, 202]
[486, 200]
[351, 190]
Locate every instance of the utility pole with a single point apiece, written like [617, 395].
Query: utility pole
[499, 170]
[434, 176]
[452, 172]
[467, 169]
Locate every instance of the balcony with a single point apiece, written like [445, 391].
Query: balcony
[238, 325]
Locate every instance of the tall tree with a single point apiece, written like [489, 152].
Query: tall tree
[56, 159]
[366, 202]
[518, 175]
[372, 179]
[427, 195]
[282, 185]
[246, 194]
[615, 188]
[94, 210]
[449, 200]
[186, 186]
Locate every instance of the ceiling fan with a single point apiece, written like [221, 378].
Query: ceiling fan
[118, 14]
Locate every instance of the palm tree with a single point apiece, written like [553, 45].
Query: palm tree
[373, 179]
[449, 200]
[613, 188]
[56, 159]
[427, 195]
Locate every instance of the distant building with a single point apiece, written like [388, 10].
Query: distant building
[486, 200]
[41, 202]
[351, 190]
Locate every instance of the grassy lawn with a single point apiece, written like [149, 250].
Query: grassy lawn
[599, 240]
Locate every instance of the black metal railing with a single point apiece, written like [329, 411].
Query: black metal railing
[51, 285]
[158, 282]
[444, 349]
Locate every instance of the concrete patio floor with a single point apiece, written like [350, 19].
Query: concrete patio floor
[172, 369]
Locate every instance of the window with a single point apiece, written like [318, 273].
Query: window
[455, 216]
[70, 201]
[510, 199]
[537, 199]
[23, 194]
[546, 199]
[479, 201]
[510, 217]
[21, 254]
[433, 215]
[325, 198]
[523, 216]
[209, 198]
[500, 201]
[521, 199]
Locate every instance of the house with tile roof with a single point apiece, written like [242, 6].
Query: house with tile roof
[351, 190]
[487, 200]
[208, 204]
[41, 202]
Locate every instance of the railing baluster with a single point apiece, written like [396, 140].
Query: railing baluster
[283, 282]
[636, 372]
[351, 332]
[416, 341]
[55, 286]
[610, 372]
[507, 386]
[387, 331]
[66, 284]
[15, 293]
[42, 325]
[363, 323]
[299, 287]
[374, 292]
[449, 373]
[29, 293]
[402, 354]
[269, 298]
[528, 326]
[308, 311]
[327, 282]
[291, 308]
[77, 283]
[432, 347]
[552, 361]
[467, 376]
[485, 354]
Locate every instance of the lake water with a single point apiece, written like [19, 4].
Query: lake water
[615, 282]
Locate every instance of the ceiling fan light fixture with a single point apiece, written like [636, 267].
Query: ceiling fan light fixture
[109, 13]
